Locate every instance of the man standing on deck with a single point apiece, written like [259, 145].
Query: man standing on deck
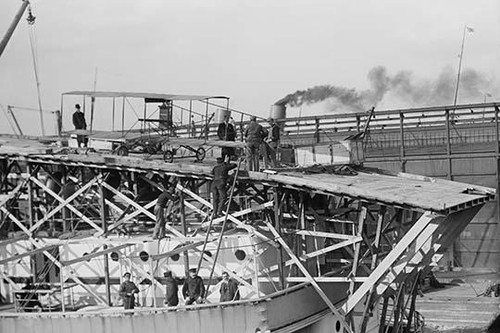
[219, 184]
[193, 289]
[228, 289]
[172, 299]
[127, 291]
[226, 132]
[80, 124]
[272, 143]
[254, 136]
[165, 200]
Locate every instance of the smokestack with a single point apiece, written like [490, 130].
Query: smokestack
[278, 111]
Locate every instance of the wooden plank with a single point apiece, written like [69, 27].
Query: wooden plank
[27, 253]
[304, 271]
[185, 247]
[390, 259]
[95, 254]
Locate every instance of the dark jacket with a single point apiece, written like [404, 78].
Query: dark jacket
[255, 133]
[172, 297]
[226, 132]
[220, 171]
[164, 198]
[79, 120]
[126, 288]
[193, 287]
[274, 134]
[229, 291]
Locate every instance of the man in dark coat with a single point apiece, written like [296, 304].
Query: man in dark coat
[229, 289]
[165, 200]
[219, 184]
[226, 132]
[272, 144]
[80, 124]
[172, 298]
[254, 136]
[193, 289]
[127, 291]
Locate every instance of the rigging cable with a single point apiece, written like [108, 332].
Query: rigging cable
[34, 53]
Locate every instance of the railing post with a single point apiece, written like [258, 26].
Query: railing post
[316, 133]
[402, 141]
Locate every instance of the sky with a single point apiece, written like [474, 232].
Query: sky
[255, 51]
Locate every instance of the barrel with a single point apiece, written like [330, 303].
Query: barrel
[221, 114]
[277, 112]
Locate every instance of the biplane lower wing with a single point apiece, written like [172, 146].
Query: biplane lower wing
[203, 142]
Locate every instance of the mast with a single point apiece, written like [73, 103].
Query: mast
[13, 26]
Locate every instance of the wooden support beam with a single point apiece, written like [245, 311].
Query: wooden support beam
[357, 248]
[64, 203]
[390, 259]
[320, 234]
[178, 250]
[142, 209]
[248, 228]
[27, 253]
[319, 252]
[95, 254]
[319, 279]
[304, 271]
[243, 212]
[51, 257]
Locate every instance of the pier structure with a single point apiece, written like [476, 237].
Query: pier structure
[313, 248]
[352, 236]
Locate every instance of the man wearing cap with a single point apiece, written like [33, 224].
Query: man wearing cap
[127, 291]
[226, 132]
[228, 289]
[254, 136]
[165, 200]
[172, 298]
[272, 143]
[219, 184]
[80, 124]
[193, 289]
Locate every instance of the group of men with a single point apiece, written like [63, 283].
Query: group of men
[193, 290]
[258, 139]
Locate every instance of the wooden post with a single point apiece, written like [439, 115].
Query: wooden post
[279, 250]
[185, 231]
[357, 247]
[317, 133]
[383, 314]
[61, 280]
[30, 196]
[376, 248]
[104, 225]
[411, 312]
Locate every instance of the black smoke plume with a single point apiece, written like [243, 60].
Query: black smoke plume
[402, 87]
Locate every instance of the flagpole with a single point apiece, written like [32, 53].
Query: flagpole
[459, 67]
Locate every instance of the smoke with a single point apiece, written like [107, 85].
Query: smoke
[402, 89]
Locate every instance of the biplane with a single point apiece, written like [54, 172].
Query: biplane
[170, 125]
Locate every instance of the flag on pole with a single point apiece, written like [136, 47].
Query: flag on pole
[469, 29]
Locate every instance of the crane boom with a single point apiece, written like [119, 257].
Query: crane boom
[13, 25]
